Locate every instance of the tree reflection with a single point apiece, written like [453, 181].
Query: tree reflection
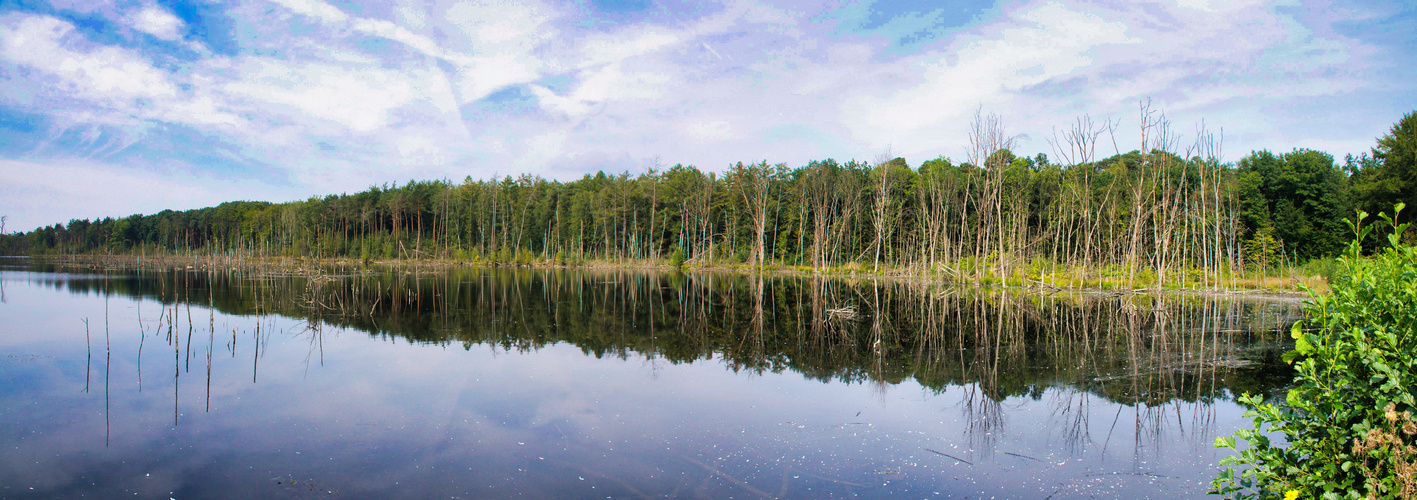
[1165, 356]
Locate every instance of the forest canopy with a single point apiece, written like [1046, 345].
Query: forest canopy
[1157, 209]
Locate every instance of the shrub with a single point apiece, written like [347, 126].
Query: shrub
[1322, 266]
[1348, 421]
[677, 258]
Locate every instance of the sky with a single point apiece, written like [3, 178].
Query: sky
[110, 108]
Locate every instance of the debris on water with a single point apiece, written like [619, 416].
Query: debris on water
[950, 456]
[846, 312]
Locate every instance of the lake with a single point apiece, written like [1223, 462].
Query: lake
[405, 382]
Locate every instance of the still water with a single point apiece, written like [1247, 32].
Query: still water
[469, 383]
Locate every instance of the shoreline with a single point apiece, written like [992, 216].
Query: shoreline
[1251, 287]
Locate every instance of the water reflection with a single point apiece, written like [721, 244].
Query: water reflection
[1146, 349]
[1029, 381]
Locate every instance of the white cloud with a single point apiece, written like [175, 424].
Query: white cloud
[361, 99]
[1038, 44]
[709, 131]
[316, 9]
[329, 107]
[157, 22]
[1047, 62]
[37, 193]
[106, 73]
[391, 31]
[504, 39]
[501, 25]
[549, 101]
[329, 14]
[500, 38]
[614, 47]
[420, 150]
[1201, 5]
[598, 86]
[1219, 5]
[488, 74]
[119, 86]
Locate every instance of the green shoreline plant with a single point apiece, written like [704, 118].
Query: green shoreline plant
[1347, 426]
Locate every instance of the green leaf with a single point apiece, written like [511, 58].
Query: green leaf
[1225, 442]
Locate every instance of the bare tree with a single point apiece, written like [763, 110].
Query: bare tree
[751, 183]
[653, 176]
[1214, 212]
[831, 191]
[885, 186]
[987, 137]
[1077, 148]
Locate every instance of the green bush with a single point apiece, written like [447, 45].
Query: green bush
[739, 257]
[1347, 424]
[677, 258]
[1322, 266]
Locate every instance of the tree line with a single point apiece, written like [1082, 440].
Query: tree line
[1164, 212]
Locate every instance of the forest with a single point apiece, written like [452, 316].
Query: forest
[1167, 213]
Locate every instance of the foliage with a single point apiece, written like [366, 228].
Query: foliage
[1263, 249]
[1348, 421]
[1150, 211]
[676, 259]
[1301, 196]
[1327, 267]
[1389, 176]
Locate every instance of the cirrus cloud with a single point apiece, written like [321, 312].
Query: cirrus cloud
[300, 97]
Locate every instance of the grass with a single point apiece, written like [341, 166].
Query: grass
[1038, 273]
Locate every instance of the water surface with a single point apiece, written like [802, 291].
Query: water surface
[469, 383]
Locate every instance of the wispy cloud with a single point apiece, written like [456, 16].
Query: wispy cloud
[294, 97]
[40, 193]
[157, 22]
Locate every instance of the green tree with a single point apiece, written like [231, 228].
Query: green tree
[1391, 175]
[1301, 195]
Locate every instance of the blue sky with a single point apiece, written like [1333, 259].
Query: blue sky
[109, 108]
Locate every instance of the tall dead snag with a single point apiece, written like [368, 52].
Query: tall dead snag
[1077, 147]
[987, 137]
[1142, 189]
[652, 176]
[751, 184]
[938, 195]
[831, 190]
[817, 183]
[886, 210]
[1212, 208]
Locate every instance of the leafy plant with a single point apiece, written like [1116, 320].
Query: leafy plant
[676, 259]
[1347, 427]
